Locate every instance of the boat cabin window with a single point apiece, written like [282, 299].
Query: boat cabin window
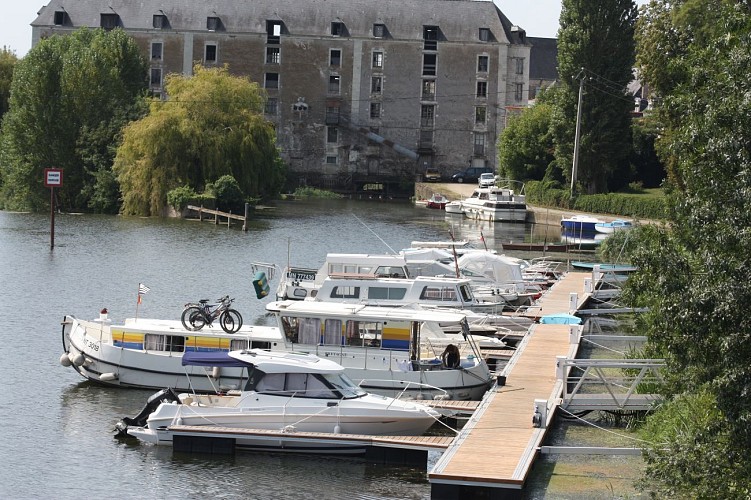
[345, 292]
[386, 293]
[168, 343]
[313, 331]
[439, 293]
[299, 385]
[390, 272]
[242, 344]
[466, 293]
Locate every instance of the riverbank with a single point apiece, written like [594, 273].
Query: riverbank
[536, 215]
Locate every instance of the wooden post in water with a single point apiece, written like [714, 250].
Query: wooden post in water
[229, 218]
[200, 214]
[245, 220]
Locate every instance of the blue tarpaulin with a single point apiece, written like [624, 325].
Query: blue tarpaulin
[212, 358]
[560, 319]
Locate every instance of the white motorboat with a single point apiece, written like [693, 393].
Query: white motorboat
[383, 349]
[282, 391]
[454, 208]
[613, 226]
[496, 203]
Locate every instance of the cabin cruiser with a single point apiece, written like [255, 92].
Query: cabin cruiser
[493, 278]
[282, 391]
[386, 350]
[495, 203]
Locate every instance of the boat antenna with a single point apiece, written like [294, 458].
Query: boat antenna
[374, 233]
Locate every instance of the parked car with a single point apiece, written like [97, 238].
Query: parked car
[432, 175]
[471, 174]
[487, 179]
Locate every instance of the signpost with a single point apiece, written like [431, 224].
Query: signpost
[53, 177]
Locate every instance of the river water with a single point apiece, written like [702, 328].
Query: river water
[56, 430]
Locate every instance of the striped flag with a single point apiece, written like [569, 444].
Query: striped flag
[141, 290]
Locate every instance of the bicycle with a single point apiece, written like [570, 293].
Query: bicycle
[196, 315]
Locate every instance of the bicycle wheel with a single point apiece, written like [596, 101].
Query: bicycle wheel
[231, 321]
[192, 318]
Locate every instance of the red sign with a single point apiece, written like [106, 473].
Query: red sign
[53, 177]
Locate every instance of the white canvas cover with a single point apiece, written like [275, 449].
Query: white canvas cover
[498, 268]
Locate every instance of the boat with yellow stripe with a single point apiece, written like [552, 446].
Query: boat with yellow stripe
[386, 350]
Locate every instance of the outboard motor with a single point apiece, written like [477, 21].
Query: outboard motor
[164, 396]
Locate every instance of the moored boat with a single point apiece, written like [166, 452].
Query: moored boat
[387, 350]
[282, 391]
[437, 201]
[577, 224]
[496, 203]
[613, 226]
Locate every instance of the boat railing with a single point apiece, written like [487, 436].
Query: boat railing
[407, 384]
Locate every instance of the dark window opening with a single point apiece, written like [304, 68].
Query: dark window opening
[61, 18]
[213, 23]
[430, 37]
[159, 21]
[109, 21]
[271, 81]
[273, 31]
[429, 63]
[210, 53]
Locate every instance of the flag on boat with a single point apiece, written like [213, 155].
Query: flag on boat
[141, 290]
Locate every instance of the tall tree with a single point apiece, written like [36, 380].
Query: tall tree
[212, 125]
[8, 61]
[70, 97]
[596, 48]
[696, 56]
[525, 150]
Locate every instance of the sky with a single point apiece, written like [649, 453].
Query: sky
[538, 17]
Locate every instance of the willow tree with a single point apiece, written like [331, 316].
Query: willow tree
[211, 125]
[596, 49]
[70, 97]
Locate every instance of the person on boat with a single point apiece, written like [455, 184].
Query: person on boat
[451, 357]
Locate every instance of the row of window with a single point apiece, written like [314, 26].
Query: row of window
[274, 28]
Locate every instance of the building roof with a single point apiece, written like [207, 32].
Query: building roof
[543, 59]
[458, 20]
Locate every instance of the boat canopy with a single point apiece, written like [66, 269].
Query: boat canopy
[210, 358]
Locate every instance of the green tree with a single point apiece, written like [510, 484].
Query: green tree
[525, 150]
[595, 47]
[8, 61]
[212, 125]
[692, 276]
[70, 97]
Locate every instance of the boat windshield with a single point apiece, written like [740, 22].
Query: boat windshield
[344, 385]
[304, 385]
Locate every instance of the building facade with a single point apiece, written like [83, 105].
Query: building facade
[363, 94]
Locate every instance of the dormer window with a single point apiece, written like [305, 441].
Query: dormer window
[109, 21]
[379, 30]
[61, 18]
[338, 29]
[213, 23]
[484, 34]
[159, 21]
[273, 31]
[430, 37]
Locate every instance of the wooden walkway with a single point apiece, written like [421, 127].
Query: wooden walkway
[274, 436]
[557, 299]
[499, 443]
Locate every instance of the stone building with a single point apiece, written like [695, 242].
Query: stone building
[365, 95]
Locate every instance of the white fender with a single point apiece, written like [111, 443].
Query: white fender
[65, 360]
[76, 358]
[337, 429]
[216, 372]
[108, 377]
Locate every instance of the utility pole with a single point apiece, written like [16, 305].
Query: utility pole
[578, 129]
